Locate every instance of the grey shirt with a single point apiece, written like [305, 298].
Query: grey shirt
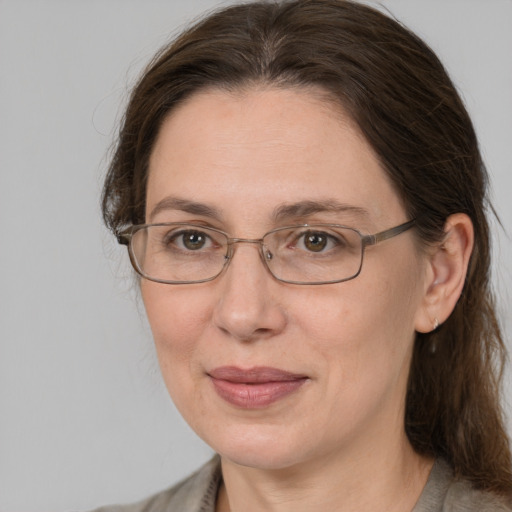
[197, 493]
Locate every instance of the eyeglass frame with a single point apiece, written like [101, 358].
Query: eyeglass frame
[125, 237]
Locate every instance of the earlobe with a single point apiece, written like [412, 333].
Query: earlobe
[448, 266]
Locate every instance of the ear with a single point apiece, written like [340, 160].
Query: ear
[447, 265]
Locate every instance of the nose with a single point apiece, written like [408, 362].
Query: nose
[248, 307]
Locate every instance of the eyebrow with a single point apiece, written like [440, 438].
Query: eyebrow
[306, 208]
[281, 213]
[185, 205]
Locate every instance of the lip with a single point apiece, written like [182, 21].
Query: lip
[254, 388]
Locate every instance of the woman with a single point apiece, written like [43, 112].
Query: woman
[301, 191]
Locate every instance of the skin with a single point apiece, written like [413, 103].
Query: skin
[338, 442]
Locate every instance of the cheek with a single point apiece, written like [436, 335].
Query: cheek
[363, 329]
[177, 317]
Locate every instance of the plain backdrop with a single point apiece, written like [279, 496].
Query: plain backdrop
[84, 417]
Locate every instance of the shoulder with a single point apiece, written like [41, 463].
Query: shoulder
[463, 497]
[197, 493]
[445, 493]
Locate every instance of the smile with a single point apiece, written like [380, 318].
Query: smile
[254, 388]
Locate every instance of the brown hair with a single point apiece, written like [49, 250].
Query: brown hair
[403, 101]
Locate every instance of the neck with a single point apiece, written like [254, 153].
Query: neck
[388, 478]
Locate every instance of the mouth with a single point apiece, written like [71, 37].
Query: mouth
[254, 388]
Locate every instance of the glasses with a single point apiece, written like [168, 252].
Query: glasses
[180, 253]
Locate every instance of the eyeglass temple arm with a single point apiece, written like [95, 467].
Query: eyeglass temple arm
[388, 233]
[124, 237]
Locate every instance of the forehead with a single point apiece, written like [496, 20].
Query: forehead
[255, 149]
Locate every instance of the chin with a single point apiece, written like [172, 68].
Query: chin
[267, 460]
[266, 448]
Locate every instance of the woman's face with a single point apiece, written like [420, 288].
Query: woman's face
[271, 374]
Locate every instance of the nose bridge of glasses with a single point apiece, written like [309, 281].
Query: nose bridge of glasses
[254, 241]
[232, 241]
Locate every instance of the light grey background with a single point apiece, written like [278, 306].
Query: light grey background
[84, 417]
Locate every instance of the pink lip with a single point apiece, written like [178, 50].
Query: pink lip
[254, 388]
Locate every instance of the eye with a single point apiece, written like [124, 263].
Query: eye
[189, 240]
[316, 241]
